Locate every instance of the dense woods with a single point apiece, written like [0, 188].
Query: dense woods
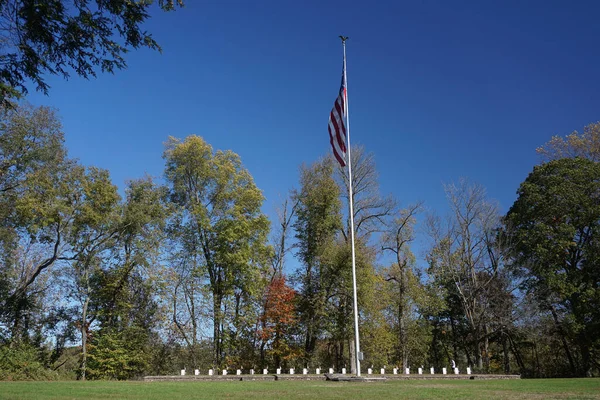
[187, 271]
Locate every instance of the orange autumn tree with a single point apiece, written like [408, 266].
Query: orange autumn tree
[279, 323]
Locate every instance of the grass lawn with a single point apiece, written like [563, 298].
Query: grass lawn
[429, 389]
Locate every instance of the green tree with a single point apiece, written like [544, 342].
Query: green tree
[94, 233]
[372, 213]
[31, 146]
[555, 223]
[318, 219]
[61, 37]
[222, 231]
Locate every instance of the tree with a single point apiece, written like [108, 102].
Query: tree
[585, 145]
[318, 219]
[222, 232]
[279, 321]
[372, 212]
[555, 223]
[464, 265]
[95, 230]
[397, 241]
[31, 143]
[60, 37]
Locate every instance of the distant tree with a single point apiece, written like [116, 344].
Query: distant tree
[462, 262]
[221, 232]
[280, 321]
[61, 36]
[585, 145]
[94, 233]
[555, 223]
[318, 219]
[397, 241]
[372, 212]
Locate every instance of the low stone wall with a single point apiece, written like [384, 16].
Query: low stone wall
[453, 376]
[299, 377]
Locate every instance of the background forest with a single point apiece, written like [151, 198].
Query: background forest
[187, 271]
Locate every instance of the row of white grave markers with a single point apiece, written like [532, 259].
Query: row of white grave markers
[318, 371]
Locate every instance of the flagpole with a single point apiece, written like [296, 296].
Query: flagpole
[356, 337]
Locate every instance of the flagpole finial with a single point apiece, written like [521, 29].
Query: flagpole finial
[344, 38]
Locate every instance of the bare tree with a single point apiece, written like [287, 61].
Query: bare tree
[462, 256]
[397, 240]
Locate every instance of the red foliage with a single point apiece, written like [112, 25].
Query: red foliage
[279, 317]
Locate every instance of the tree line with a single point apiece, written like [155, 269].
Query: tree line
[188, 272]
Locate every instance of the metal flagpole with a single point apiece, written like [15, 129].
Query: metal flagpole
[357, 342]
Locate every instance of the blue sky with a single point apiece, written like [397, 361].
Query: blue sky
[438, 90]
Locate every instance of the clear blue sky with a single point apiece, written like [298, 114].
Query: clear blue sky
[438, 90]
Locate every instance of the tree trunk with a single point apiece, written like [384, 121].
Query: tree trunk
[563, 339]
[84, 333]
[505, 353]
[217, 302]
[352, 351]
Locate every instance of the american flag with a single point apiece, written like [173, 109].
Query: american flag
[337, 125]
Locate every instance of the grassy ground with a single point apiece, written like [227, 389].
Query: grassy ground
[430, 389]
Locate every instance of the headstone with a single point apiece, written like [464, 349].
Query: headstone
[318, 371]
[238, 372]
[455, 371]
[210, 372]
[432, 370]
[444, 371]
[382, 371]
[395, 371]
[369, 371]
[265, 371]
[304, 371]
[331, 370]
[224, 372]
[291, 371]
[182, 372]
[468, 370]
[196, 372]
[420, 371]
[343, 371]
[252, 371]
[407, 372]
[278, 371]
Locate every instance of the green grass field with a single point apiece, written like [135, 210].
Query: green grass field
[430, 389]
